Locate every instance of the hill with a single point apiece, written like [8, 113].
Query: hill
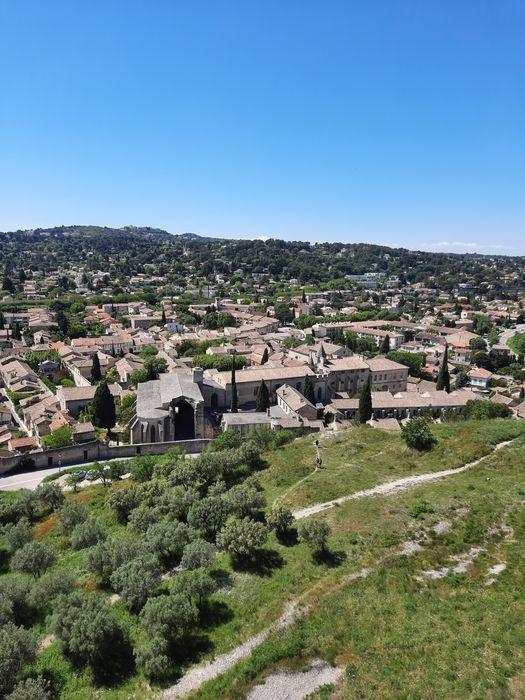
[418, 592]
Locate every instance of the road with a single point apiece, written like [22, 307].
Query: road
[506, 335]
[31, 479]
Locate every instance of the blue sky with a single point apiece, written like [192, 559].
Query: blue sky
[390, 121]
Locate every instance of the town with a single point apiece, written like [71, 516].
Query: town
[96, 366]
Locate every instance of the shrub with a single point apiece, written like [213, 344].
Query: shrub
[137, 580]
[31, 689]
[85, 626]
[241, 538]
[419, 508]
[18, 534]
[197, 554]
[34, 558]
[87, 534]
[17, 648]
[417, 434]
[315, 534]
[279, 518]
[70, 515]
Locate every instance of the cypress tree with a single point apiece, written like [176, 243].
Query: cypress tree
[308, 392]
[16, 332]
[262, 400]
[365, 403]
[304, 296]
[103, 407]
[234, 400]
[96, 374]
[385, 345]
[2, 321]
[163, 318]
[264, 359]
[443, 379]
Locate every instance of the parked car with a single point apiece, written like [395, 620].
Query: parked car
[80, 473]
[92, 475]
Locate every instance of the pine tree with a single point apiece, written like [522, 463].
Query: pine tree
[443, 379]
[365, 403]
[262, 400]
[103, 407]
[264, 359]
[308, 392]
[385, 345]
[234, 400]
[96, 374]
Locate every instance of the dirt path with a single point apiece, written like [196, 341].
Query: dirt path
[195, 677]
[391, 487]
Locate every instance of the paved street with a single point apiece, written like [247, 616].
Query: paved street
[506, 335]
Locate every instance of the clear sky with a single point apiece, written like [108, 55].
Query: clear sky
[388, 121]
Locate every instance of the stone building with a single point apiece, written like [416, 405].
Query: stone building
[176, 406]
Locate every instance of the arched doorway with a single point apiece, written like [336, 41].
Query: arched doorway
[152, 434]
[184, 421]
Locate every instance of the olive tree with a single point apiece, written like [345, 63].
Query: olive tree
[34, 558]
[241, 538]
[315, 534]
[197, 554]
[17, 648]
[137, 580]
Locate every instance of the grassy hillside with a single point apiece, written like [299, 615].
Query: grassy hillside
[395, 632]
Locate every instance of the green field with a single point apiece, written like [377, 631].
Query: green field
[395, 636]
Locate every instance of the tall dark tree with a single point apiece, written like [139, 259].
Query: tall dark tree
[8, 285]
[308, 391]
[262, 400]
[96, 374]
[365, 403]
[304, 296]
[103, 407]
[264, 358]
[234, 405]
[17, 335]
[385, 345]
[2, 321]
[163, 318]
[443, 378]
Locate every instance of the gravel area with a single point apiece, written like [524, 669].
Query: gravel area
[296, 685]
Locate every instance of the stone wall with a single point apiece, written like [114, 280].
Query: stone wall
[99, 452]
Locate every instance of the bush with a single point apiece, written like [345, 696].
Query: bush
[17, 648]
[419, 508]
[19, 534]
[137, 580]
[34, 558]
[198, 554]
[227, 440]
[85, 626]
[70, 515]
[31, 689]
[280, 519]
[481, 410]
[315, 534]
[241, 538]
[87, 534]
[417, 434]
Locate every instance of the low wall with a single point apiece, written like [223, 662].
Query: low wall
[99, 452]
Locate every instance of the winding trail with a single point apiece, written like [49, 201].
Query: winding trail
[390, 487]
[195, 677]
[198, 675]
